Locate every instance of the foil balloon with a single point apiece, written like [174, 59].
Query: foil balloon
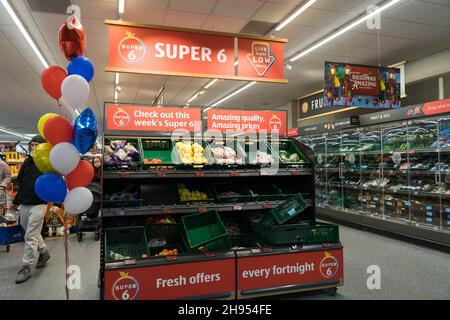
[72, 38]
[85, 131]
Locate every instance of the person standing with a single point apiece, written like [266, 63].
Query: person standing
[5, 175]
[32, 212]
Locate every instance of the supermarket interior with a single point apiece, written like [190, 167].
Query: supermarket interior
[224, 150]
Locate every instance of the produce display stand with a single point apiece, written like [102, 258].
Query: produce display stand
[229, 269]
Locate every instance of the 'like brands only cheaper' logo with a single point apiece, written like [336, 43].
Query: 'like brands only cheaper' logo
[125, 288]
[131, 48]
[261, 59]
[121, 118]
[329, 265]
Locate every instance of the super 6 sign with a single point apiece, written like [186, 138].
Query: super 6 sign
[139, 48]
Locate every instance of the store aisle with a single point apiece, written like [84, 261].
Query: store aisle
[48, 283]
[407, 271]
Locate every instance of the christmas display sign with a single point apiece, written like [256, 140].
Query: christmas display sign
[350, 85]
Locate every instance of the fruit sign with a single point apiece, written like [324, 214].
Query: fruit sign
[122, 118]
[140, 48]
[245, 120]
[270, 271]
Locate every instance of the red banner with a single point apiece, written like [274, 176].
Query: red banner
[171, 281]
[260, 59]
[141, 118]
[140, 48]
[244, 120]
[293, 132]
[289, 269]
[436, 107]
[364, 80]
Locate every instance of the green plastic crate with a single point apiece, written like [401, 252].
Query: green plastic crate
[126, 241]
[157, 148]
[289, 147]
[205, 229]
[266, 192]
[287, 210]
[289, 233]
[323, 232]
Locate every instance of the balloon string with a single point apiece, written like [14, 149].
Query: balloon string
[66, 251]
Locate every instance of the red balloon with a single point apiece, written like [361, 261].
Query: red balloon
[57, 129]
[51, 79]
[72, 38]
[81, 176]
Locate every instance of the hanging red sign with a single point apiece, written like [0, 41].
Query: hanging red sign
[245, 120]
[141, 118]
[140, 48]
[436, 107]
[260, 59]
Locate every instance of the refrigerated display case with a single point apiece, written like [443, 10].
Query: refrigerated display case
[392, 174]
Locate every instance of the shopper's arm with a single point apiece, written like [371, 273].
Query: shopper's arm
[6, 175]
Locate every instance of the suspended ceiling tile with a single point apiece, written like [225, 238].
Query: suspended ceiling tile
[412, 11]
[198, 6]
[184, 19]
[145, 15]
[237, 8]
[148, 3]
[316, 17]
[95, 9]
[438, 18]
[273, 12]
[224, 24]
[422, 32]
[341, 5]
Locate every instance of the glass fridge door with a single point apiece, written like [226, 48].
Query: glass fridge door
[371, 155]
[425, 187]
[334, 170]
[351, 172]
[444, 154]
[395, 173]
[318, 145]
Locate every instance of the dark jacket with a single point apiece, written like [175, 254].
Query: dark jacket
[28, 175]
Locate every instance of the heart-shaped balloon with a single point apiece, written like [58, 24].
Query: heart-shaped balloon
[72, 38]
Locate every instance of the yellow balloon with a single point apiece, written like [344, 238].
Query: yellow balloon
[41, 158]
[43, 120]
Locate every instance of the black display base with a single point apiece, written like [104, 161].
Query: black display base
[421, 236]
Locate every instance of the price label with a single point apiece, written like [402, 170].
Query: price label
[266, 205]
[199, 174]
[166, 211]
[295, 173]
[124, 175]
[234, 173]
[201, 210]
[161, 174]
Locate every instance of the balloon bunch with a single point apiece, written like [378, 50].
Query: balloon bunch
[73, 85]
[60, 156]
[65, 177]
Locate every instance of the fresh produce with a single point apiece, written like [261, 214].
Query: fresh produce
[287, 157]
[117, 256]
[156, 220]
[120, 152]
[225, 155]
[167, 252]
[191, 153]
[263, 158]
[128, 193]
[189, 195]
[153, 161]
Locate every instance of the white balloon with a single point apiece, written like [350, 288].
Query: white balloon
[78, 200]
[64, 157]
[75, 91]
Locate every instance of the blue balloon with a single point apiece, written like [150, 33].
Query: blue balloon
[82, 66]
[50, 187]
[85, 131]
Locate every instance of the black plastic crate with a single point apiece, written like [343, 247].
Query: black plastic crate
[155, 229]
[231, 192]
[267, 192]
